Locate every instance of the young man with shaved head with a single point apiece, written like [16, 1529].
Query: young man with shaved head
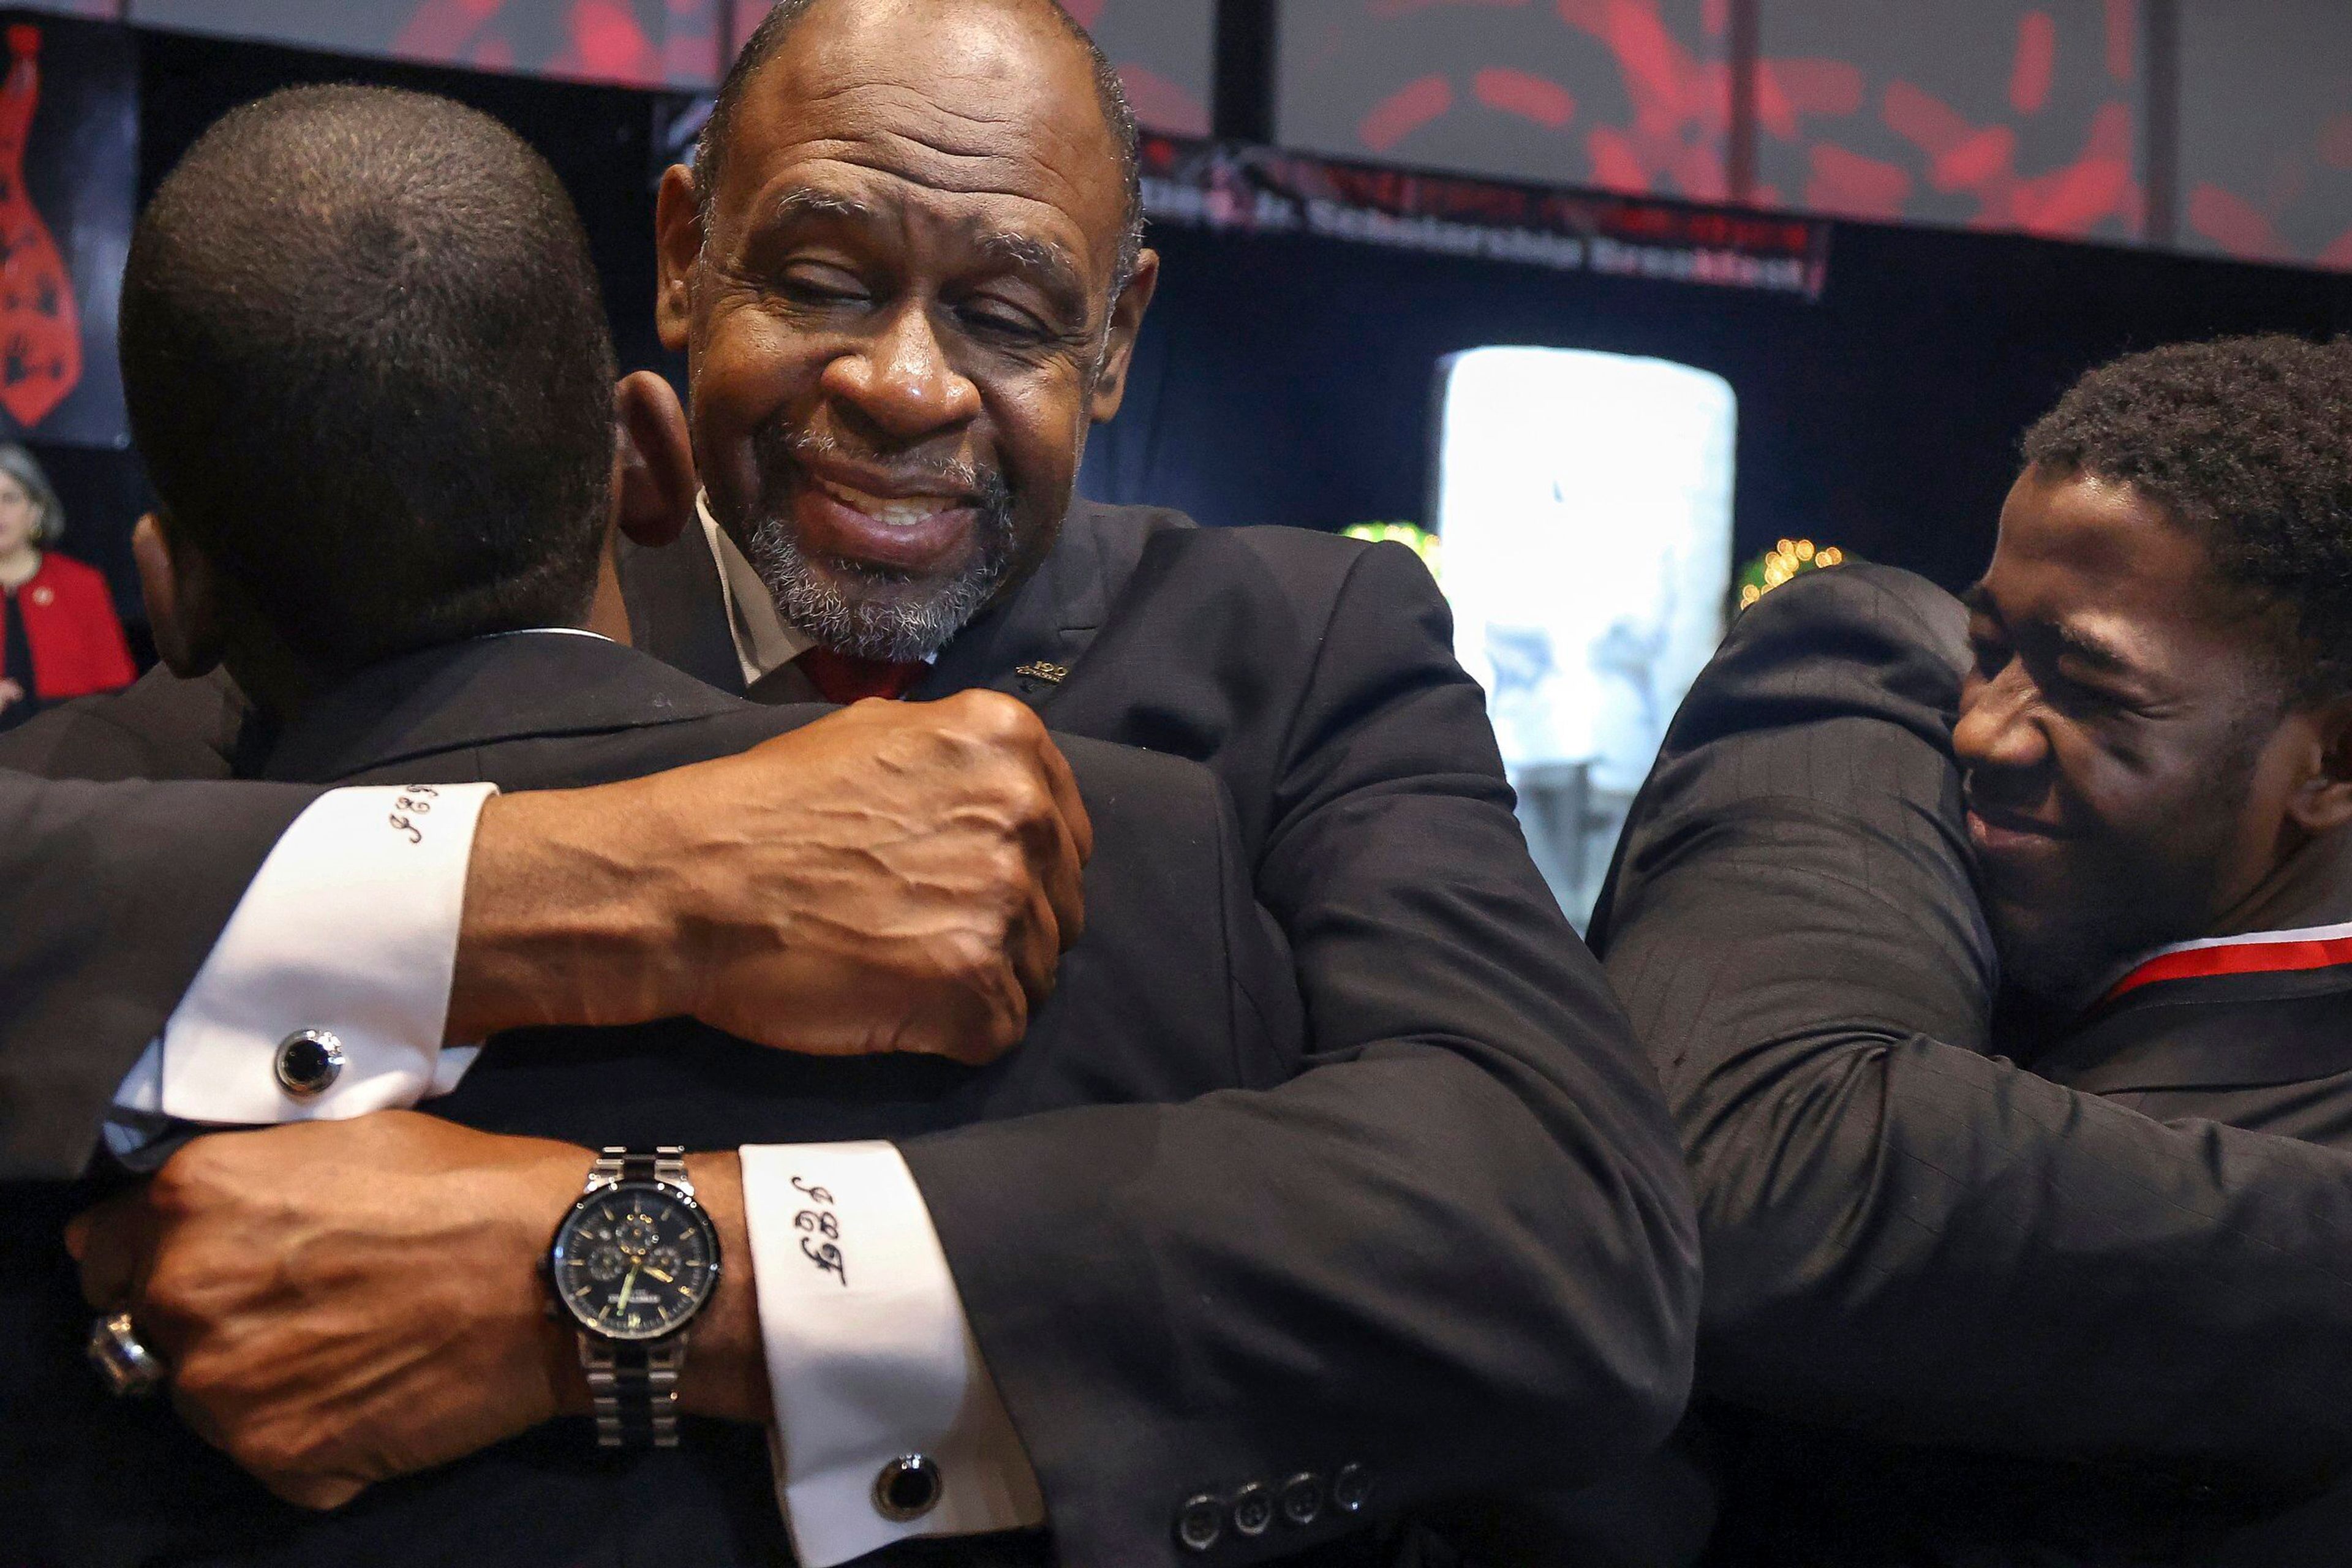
[2066, 1282]
[1450, 1255]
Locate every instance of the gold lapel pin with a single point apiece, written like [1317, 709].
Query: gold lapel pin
[1051, 674]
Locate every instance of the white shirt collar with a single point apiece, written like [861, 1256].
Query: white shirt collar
[764, 641]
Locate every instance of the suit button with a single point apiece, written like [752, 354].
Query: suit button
[1253, 1510]
[1302, 1498]
[907, 1487]
[1350, 1486]
[1200, 1521]
[309, 1062]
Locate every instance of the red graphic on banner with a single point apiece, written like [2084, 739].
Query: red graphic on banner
[40, 331]
[1682, 104]
[1980, 157]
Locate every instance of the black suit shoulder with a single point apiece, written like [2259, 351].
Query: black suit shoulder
[1908, 1238]
[159, 727]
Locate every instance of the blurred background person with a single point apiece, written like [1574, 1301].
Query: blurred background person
[62, 637]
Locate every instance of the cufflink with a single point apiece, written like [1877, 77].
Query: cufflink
[1200, 1523]
[907, 1488]
[1350, 1486]
[309, 1063]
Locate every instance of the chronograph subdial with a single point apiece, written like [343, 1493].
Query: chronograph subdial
[635, 1261]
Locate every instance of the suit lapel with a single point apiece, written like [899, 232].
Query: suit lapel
[2226, 1029]
[1026, 645]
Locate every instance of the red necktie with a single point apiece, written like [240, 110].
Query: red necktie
[845, 678]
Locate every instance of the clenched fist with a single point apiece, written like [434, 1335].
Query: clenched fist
[895, 877]
[341, 1302]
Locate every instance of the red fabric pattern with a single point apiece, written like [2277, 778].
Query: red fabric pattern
[40, 329]
[70, 620]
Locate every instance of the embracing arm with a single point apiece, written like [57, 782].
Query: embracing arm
[1907, 1236]
[738, 890]
[114, 894]
[1455, 1251]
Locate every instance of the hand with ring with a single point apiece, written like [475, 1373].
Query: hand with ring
[130, 1368]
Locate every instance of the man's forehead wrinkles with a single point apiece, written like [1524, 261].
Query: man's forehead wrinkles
[855, 175]
[917, 115]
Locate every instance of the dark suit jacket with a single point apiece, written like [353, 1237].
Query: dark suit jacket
[1456, 1248]
[1912, 1241]
[114, 893]
[1181, 986]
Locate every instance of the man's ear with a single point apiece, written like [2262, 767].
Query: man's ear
[677, 247]
[1118, 349]
[183, 602]
[2323, 801]
[654, 481]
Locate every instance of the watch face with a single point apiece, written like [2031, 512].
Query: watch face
[635, 1261]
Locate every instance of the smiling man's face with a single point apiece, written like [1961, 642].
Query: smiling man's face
[900, 321]
[2128, 748]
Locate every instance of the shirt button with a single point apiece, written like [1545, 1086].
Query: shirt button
[1253, 1510]
[907, 1488]
[1350, 1486]
[1198, 1523]
[1302, 1498]
[309, 1062]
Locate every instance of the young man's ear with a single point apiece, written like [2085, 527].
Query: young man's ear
[653, 476]
[182, 601]
[2324, 801]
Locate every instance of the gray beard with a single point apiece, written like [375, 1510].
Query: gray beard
[875, 615]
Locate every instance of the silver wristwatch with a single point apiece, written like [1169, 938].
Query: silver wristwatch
[634, 1263]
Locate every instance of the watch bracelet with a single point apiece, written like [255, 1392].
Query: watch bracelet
[633, 1388]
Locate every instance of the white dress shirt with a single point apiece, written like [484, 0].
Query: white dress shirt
[351, 926]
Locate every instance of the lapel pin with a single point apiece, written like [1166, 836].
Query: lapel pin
[1051, 674]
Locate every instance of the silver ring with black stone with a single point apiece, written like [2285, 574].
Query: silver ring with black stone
[130, 1368]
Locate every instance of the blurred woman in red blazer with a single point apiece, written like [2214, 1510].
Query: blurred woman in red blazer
[62, 638]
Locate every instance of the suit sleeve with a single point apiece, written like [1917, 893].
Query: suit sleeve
[1906, 1236]
[1453, 1253]
[111, 896]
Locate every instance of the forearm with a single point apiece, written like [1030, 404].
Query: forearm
[566, 921]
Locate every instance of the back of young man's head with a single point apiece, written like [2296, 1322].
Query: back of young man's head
[369, 370]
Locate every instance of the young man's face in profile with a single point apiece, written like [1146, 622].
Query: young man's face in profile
[2124, 733]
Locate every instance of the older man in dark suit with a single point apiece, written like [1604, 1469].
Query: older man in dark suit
[1448, 1256]
[2082, 1300]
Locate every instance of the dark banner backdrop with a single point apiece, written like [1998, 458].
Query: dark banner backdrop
[1286, 376]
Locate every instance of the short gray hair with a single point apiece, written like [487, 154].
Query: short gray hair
[21, 466]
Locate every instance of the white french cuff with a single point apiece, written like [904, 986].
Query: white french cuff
[349, 928]
[870, 1358]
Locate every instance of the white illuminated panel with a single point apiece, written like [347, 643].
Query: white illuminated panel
[1584, 507]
